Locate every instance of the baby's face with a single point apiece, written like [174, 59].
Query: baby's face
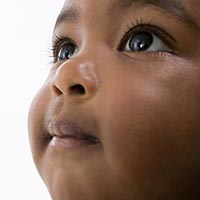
[119, 114]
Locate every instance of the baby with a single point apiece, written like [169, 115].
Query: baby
[118, 117]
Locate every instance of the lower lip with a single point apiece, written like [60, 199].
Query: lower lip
[69, 142]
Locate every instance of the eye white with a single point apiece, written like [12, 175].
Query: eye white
[68, 51]
[157, 45]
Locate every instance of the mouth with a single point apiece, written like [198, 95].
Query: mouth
[69, 135]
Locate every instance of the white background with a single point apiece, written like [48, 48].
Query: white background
[25, 35]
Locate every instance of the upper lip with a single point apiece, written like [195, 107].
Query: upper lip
[66, 129]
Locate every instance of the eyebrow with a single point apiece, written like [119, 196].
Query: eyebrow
[174, 7]
[71, 14]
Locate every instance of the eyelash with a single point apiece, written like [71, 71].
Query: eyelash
[140, 25]
[135, 27]
[57, 42]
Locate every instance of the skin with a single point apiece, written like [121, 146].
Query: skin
[145, 114]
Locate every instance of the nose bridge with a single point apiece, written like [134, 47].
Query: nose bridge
[76, 78]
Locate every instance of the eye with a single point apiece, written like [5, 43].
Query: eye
[67, 51]
[144, 41]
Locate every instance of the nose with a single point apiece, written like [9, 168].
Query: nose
[75, 79]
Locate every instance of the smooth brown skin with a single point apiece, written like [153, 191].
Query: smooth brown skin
[144, 108]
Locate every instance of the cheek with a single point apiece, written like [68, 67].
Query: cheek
[150, 132]
[37, 133]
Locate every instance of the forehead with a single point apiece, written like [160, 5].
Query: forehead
[126, 3]
[107, 6]
[87, 5]
[89, 10]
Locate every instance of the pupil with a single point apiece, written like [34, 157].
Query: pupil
[67, 51]
[141, 42]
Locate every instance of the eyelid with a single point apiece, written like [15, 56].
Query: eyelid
[57, 44]
[147, 27]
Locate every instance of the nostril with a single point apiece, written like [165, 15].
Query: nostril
[56, 91]
[77, 89]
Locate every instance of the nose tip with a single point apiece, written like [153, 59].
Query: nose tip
[78, 81]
